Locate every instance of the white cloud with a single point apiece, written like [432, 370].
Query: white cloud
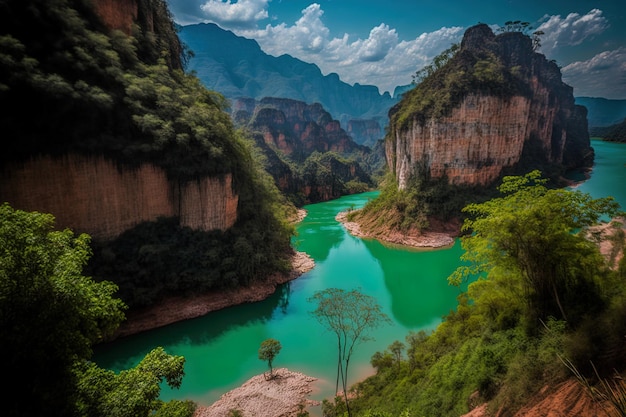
[241, 14]
[604, 75]
[381, 59]
[571, 30]
[380, 41]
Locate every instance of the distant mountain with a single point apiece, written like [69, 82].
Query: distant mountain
[309, 155]
[603, 112]
[613, 133]
[237, 67]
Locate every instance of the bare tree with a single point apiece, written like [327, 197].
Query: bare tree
[350, 315]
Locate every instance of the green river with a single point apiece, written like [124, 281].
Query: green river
[221, 348]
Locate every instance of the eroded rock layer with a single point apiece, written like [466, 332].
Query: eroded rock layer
[99, 197]
[516, 108]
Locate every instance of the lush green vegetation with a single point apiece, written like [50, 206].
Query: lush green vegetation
[75, 86]
[613, 133]
[50, 317]
[158, 258]
[541, 295]
[443, 84]
[422, 201]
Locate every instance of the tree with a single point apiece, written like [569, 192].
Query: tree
[350, 315]
[51, 315]
[437, 63]
[534, 235]
[132, 392]
[268, 351]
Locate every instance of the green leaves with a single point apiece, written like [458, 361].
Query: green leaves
[533, 233]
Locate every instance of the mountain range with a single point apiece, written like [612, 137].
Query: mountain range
[237, 67]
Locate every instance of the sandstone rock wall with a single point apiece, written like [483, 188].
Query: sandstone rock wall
[471, 146]
[118, 14]
[96, 196]
[528, 119]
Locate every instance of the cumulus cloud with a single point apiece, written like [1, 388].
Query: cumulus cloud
[380, 41]
[382, 59]
[589, 78]
[572, 30]
[240, 14]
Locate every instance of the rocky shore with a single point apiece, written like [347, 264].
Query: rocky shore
[285, 395]
[175, 309]
[421, 240]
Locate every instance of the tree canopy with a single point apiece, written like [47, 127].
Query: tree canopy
[534, 233]
[50, 317]
[267, 352]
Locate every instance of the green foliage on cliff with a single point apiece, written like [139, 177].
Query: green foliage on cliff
[452, 75]
[161, 258]
[74, 85]
[504, 340]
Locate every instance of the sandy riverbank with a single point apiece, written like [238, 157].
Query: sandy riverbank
[283, 396]
[421, 240]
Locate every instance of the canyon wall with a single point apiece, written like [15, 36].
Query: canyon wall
[95, 195]
[307, 153]
[513, 111]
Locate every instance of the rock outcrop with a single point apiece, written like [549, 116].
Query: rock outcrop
[294, 127]
[306, 150]
[365, 131]
[97, 196]
[499, 107]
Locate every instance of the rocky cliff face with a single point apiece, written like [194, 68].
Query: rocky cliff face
[302, 145]
[505, 108]
[95, 195]
[365, 131]
[294, 127]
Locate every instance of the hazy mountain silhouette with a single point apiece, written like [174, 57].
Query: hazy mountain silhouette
[237, 67]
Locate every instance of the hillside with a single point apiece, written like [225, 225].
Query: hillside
[493, 107]
[238, 68]
[103, 130]
[309, 155]
[603, 112]
[613, 133]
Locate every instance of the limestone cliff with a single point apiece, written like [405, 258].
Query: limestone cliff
[96, 196]
[309, 155]
[495, 107]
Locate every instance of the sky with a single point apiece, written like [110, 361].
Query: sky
[384, 42]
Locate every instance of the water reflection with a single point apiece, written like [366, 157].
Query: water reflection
[417, 281]
[194, 332]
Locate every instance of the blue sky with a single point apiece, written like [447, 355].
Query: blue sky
[383, 43]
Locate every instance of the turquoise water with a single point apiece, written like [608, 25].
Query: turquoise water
[221, 348]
